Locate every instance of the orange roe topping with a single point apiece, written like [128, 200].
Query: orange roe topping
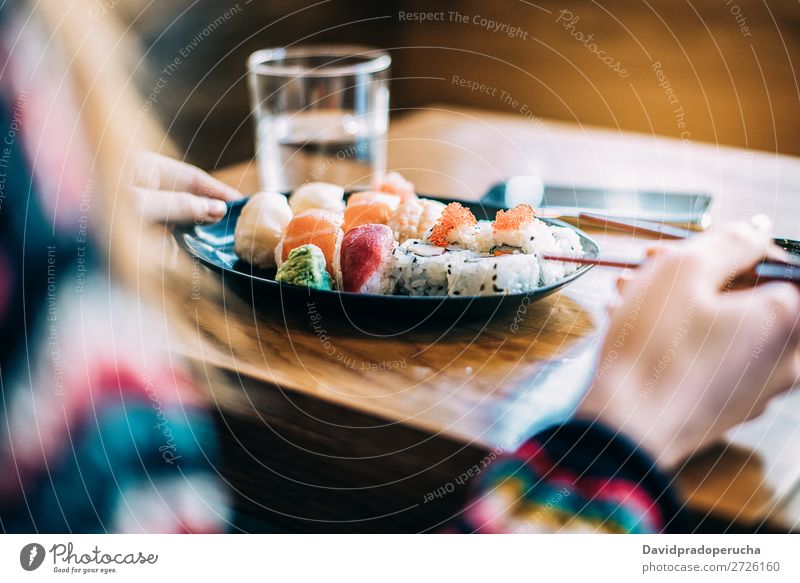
[454, 215]
[501, 252]
[513, 218]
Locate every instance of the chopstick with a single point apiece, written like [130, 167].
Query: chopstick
[770, 271]
[606, 261]
[671, 232]
[764, 271]
[636, 225]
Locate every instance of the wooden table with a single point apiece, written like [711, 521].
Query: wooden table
[351, 432]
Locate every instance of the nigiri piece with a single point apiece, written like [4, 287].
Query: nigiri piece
[372, 196]
[415, 217]
[305, 266]
[260, 228]
[456, 226]
[366, 260]
[315, 227]
[369, 207]
[395, 183]
[317, 195]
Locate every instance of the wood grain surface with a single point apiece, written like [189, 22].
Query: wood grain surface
[430, 396]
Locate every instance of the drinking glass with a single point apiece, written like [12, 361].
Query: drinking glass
[321, 114]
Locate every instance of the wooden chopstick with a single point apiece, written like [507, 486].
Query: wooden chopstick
[672, 232]
[607, 261]
[764, 271]
[637, 226]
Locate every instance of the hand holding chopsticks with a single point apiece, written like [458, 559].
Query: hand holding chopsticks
[778, 265]
[686, 355]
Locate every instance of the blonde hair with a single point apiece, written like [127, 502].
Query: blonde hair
[97, 51]
[102, 56]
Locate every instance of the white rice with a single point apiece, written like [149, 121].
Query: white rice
[463, 236]
[383, 280]
[420, 269]
[570, 244]
[484, 237]
[336, 268]
[538, 238]
[486, 276]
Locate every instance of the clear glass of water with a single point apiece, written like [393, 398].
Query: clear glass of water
[321, 114]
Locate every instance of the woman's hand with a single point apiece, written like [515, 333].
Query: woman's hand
[686, 356]
[171, 191]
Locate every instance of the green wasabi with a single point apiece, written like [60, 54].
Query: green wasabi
[305, 267]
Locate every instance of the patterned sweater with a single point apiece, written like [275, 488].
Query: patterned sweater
[100, 430]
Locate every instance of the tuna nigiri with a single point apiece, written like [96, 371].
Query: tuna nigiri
[364, 208]
[366, 260]
[315, 227]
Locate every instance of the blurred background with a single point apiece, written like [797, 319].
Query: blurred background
[720, 71]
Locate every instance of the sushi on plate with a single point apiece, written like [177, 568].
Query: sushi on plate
[317, 196]
[414, 217]
[455, 227]
[315, 227]
[488, 276]
[390, 241]
[422, 269]
[305, 267]
[518, 230]
[395, 183]
[366, 260]
[369, 208]
[260, 228]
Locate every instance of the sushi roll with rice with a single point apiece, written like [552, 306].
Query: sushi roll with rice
[317, 196]
[455, 227]
[366, 208]
[570, 244]
[415, 217]
[484, 237]
[315, 227]
[490, 276]
[366, 260]
[306, 267]
[421, 269]
[518, 230]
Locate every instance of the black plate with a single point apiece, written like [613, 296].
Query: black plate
[213, 246]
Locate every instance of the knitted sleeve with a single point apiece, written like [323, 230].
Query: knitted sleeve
[576, 477]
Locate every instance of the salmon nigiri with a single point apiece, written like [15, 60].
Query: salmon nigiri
[314, 227]
[365, 208]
